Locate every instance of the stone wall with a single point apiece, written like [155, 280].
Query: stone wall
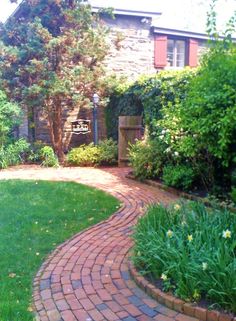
[131, 47]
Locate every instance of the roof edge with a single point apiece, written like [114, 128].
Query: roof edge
[184, 33]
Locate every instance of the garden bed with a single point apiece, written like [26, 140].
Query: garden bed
[174, 248]
[182, 194]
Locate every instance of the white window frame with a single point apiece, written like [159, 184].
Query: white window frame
[175, 53]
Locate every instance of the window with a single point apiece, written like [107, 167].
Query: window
[175, 53]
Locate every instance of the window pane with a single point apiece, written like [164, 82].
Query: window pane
[170, 52]
[180, 53]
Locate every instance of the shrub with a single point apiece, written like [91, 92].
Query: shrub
[146, 96]
[233, 195]
[89, 155]
[35, 152]
[108, 152]
[180, 176]
[9, 117]
[14, 153]
[175, 244]
[85, 155]
[147, 158]
[48, 157]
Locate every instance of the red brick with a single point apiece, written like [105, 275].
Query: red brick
[212, 315]
[87, 304]
[201, 314]
[68, 315]
[96, 315]
[132, 310]
[189, 309]
[108, 314]
[161, 317]
[225, 317]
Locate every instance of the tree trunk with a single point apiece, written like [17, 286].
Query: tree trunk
[56, 131]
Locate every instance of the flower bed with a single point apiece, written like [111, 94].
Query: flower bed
[191, 250]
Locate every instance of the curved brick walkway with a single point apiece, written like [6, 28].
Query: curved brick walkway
[87, 277]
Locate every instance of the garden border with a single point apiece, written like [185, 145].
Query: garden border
[175, 191]
[167, 299]
[175, 303]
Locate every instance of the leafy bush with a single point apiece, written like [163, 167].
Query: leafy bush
[180, 176]
[89, 155]
[108, 152]
[35, 152]
[14, 153]
[49, 158]
[85, 155]
[174, 244]
[146, 96]
[9, 117]
[233, 195]
[147, 158]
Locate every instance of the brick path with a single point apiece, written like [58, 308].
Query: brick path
[87, 277]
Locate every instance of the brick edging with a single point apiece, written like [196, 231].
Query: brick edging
[175, 191]
[176, 304]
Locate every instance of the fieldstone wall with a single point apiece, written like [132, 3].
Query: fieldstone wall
[131, 47]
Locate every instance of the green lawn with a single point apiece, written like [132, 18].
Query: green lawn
[36, 216]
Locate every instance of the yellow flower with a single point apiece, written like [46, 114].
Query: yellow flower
[164, 277]
[177, 207]
[196, 295]
[227, 234]
[190, 238]
[169, 233]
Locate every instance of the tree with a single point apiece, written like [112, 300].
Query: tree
[52, 59]
[9, 117]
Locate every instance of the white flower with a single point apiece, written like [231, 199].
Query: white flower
[169, 233]
[227, 234]
[164, 277]
[176, 153]
[161, 137]
[204, 266]
[163, 131]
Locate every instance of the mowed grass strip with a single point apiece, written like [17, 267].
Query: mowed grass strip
[35, 217]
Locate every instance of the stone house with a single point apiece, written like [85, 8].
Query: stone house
[138, 45]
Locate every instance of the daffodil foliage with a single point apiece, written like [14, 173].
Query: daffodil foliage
[52, 56]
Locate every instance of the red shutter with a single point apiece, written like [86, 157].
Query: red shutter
[160, 51]
[193, 49]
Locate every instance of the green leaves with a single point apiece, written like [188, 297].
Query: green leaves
[10, 115]
[196, 263]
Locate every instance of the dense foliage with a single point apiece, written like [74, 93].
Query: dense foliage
[51, 60]
[105, 153]
[192, 115]
[14, 153]
[9, 117]
[174, 244]
[146, 97]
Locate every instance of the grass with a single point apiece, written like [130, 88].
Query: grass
[192, 249]
[35, 217]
